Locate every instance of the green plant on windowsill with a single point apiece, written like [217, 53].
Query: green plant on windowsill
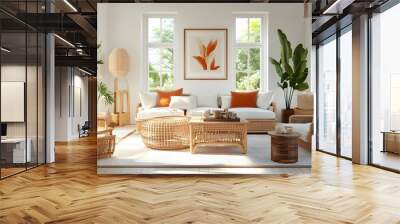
[292, 71]
[104, 94]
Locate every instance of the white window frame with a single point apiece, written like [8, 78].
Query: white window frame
[158, 45]
[261, 46]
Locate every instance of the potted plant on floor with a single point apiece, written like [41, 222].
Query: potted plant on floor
[292, 71]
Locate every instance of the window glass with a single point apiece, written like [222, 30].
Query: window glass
[160, 53]
[248, 50]
[327, 97]
[385, 89]
[346, 94]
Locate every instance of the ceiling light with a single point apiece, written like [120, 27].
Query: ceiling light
[5, 50]
[70, 5]
[64, 40]
[84, 71]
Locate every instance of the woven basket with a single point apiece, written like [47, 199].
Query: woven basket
[165, 133]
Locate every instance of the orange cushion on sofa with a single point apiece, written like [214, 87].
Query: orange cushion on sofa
[244, 99]
[164, 97]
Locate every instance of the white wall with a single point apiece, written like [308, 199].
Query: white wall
[12, 73]
[121, 26]
[66, 119]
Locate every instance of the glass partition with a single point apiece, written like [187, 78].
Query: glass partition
[327, 96]
[13, 86]
[385, 90]
[22, 98]
[346, 93]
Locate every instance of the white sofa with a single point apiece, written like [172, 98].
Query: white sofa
[261, 119]
[204, 103]
[147, 108]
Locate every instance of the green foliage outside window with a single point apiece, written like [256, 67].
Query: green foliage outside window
[248, 68]
[248, 59]
[161, 59]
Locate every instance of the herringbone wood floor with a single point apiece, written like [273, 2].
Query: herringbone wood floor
[71, 192]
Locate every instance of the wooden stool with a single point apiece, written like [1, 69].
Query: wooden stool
[284, 147]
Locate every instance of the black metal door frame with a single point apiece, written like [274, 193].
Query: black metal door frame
[338, 34]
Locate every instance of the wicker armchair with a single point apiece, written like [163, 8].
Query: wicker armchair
[304, 113]
[105, 143]
[262, 125]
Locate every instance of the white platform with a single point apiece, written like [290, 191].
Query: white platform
[204, 171]
[133, 157]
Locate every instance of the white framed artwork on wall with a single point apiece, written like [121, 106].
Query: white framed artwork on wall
[205, 54]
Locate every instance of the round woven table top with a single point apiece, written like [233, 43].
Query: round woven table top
[291, 135]
[171, 119]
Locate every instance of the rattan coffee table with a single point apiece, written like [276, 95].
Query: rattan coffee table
[217, 133]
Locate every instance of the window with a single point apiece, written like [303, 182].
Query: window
[334, 105]
[160, 53]
[385, 89]
[394, 101]
[248, 52]
[327, 94]
[346, 94]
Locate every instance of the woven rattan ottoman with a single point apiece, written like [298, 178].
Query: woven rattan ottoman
[165, 133]
[218, 132]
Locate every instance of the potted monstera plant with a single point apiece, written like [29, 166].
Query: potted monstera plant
[292, 72]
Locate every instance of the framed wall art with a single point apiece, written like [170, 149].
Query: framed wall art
[205, 54]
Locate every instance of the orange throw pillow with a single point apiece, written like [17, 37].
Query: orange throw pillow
[164, 97]
[244, 99]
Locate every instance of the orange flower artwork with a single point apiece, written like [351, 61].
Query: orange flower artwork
[206, 59]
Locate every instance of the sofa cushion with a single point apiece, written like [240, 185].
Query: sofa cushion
[253, 113]
[200, 110]
[265, 99]
[207, 101]
[244, 99]
[183, 102]
[159, 112]
[164, 97]
[148, 100]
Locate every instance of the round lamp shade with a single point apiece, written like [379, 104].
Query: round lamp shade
[118, 62]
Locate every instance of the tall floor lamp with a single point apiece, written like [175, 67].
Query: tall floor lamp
[119, 67]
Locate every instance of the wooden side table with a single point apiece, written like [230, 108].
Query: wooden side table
[284, 147]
